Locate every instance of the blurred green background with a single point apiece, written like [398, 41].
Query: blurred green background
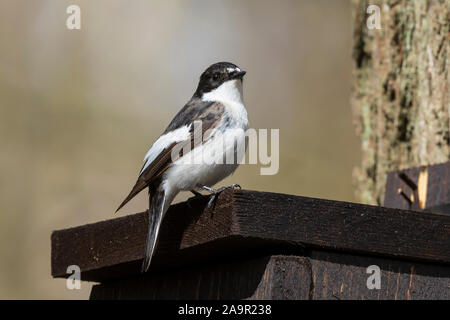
[80, 108]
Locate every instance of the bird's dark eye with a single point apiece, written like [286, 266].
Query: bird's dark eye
[215, 76]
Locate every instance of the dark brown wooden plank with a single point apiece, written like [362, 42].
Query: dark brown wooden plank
[243, 220]
[343, 226]
[321, 275]
[339, 276]
[424, 187]
[285, 278]
[272, 277]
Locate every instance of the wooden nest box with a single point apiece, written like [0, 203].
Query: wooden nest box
[259, 245]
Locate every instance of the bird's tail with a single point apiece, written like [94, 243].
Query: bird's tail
[157, 199]
[138, 187]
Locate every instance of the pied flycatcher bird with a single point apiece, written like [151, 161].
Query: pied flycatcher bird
[218, 106]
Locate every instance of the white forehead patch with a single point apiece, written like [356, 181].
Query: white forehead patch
[233, 69]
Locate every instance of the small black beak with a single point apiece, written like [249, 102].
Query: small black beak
[238, 75]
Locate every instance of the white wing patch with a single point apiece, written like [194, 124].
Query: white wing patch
[163, 142]
[233, 69]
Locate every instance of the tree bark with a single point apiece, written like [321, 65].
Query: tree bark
[400, 97]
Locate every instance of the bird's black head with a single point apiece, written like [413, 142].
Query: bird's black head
[217, 74]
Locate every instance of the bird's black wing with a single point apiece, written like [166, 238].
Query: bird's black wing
[208, 113]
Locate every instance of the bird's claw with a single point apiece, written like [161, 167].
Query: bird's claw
[215, 193]
[211, 200]
[233, 186]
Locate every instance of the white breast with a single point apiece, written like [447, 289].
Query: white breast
[230, 95]
[184, 175]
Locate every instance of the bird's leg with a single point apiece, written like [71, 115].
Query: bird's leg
[215, 192]
[196, 195]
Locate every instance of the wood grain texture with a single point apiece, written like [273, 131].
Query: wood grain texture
[270, 277]
[437, 189]
[321, 275]
[343, 277]
[249, 221]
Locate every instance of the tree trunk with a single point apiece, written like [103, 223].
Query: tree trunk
[400, 99]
